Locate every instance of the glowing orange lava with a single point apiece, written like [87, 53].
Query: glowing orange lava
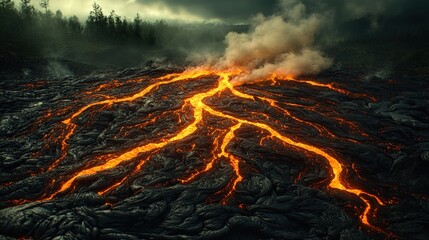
[220, 152]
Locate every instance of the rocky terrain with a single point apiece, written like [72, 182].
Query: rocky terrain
[252, 185]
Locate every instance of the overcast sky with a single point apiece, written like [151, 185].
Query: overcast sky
[235, 11]
[186, 10]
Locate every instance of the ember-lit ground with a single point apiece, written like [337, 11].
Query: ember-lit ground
[165, 153]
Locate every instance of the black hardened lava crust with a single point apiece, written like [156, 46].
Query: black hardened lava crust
[376, 128]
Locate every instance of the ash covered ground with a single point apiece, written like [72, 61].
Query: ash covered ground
[378, 132]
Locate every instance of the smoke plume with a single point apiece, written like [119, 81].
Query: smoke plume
[281, 44]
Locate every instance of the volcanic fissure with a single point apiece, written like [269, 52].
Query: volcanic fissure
[195, 105]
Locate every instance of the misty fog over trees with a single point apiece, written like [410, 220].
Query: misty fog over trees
[106, 39]
[102, 37]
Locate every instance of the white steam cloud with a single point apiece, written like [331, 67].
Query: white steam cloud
[280, 45]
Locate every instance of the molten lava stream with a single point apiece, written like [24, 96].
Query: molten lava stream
[70, 126]
[324, 131]
[195, 101]
[199, 108]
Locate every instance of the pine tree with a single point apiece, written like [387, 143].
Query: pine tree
[59, 14]
[111, 23]
[45, 5]
[7, 4]
[74, 26]
[9, 19]
[97, 22]
[26, 9]
[137, 26]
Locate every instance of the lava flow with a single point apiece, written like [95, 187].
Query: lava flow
[196, 105]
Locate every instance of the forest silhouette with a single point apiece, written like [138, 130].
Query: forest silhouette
[109, 40]
[101, 38]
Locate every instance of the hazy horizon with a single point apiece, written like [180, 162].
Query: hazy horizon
[158, 10]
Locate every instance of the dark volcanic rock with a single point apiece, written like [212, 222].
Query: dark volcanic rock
[383, 145]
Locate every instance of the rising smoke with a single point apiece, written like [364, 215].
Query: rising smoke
[282, 44]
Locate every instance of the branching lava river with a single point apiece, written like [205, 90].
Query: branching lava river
[197, 131]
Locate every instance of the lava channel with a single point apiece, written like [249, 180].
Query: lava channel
[199, 109]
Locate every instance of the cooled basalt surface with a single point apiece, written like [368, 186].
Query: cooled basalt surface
[167, 153]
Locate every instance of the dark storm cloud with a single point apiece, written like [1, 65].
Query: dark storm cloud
[232, 10]
[340, 10]
[407, 11]
[381, 9]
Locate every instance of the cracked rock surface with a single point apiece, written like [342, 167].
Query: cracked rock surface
[382, 141]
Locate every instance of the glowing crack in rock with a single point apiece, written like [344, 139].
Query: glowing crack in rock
[197, 103]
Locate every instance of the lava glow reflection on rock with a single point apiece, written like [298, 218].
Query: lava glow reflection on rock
[196, 105]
